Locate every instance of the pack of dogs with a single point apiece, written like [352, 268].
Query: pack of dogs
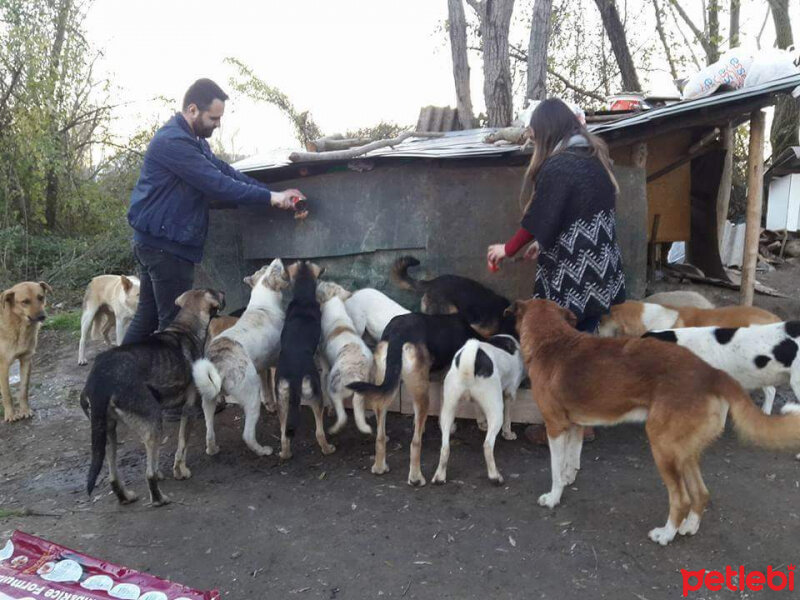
[332, 346]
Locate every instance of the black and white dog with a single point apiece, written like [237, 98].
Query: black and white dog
[297, 377]
[759, 356]
[490, 373]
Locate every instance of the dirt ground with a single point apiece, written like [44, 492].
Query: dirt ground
[325, 527]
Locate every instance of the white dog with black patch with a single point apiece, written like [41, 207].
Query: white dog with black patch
[759, 356]
[490, 373]
[371, 311]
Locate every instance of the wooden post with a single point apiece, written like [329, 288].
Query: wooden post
[755, 186]
[725, 183]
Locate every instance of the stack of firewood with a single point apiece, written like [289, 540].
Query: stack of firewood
[779, 247]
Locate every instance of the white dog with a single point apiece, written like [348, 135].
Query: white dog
[235, 357]
[490, 373]
[347, 356]
[759, 356]
[371, 311]
[110, 301]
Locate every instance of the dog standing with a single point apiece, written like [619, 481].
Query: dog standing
[21, 316]
[579, 379]
[236, 356]
[347, 356]
[490, 373]
[110, 301]
[636, 318]
[133, 383]
[411, 347]
[371, 311]
[482, 308]
[759, 356]
[297, 377]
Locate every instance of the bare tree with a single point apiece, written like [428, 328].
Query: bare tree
[457, 29]
[709, 37]
[786, 121]
[494, 17]
[537, 50]
[619, 44]
[664, 42]
[733, 30]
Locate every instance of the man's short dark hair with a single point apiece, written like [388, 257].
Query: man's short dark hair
[202, 93]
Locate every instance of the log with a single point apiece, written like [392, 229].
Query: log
[335, 142]
[755, 184]
[726, 182]
[353, 152]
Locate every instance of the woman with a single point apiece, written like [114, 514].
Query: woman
[569, 195]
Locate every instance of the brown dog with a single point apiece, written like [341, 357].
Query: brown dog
[579, 379]
[637, 318]
[21, 316]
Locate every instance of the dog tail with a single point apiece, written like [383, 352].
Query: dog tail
[206, 378]
[779, 432]
[391, 379]
[97, 409]
[400, 277]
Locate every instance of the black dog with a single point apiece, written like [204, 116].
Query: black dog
[412, 346]
[481, 307]
[133, 383]
[297, 376]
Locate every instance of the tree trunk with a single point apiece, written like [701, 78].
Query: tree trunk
[713, 31]
[52, 188]
[664, 42]
[733, 37]
[537, 50]
[619, 44]
[786, 120]
[495, 20]
[457, 28]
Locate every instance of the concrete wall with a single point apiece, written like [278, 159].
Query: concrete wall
[446, 214]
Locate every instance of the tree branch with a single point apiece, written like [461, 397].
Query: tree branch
[683, 35]
[354, 152]
[574, 87]
[763, 25]
[699, 35]
[662, 34]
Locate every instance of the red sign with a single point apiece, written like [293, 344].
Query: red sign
[32, 568]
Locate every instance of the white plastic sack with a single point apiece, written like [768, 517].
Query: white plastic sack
[768, 65]
[731, 70]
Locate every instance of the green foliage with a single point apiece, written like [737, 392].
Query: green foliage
[66, 321]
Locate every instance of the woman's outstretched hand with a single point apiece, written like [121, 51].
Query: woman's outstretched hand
[496, 253]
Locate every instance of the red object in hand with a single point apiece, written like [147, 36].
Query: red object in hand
[493, 267]
[299, 204]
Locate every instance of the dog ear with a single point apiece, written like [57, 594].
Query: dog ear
[127, 284]
[45, 287]
[7, 299]
[181, 300]
[216, 301]
[514, 309]
[249, 280]
[291, 271]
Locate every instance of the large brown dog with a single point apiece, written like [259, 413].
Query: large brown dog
[21, 316]
[637, 318]
[579, 379]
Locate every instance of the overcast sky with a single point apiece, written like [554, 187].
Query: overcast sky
[352, 63]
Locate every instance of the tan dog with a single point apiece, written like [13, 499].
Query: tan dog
[637, 318]
[218, 325]
[21, 316]
[578, 379]
[110, 301]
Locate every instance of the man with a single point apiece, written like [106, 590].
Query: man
[169, 205]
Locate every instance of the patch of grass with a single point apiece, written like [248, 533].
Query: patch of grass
[13, 512]
[66, 321]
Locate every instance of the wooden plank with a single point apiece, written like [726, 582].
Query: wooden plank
[755, 186]
[725, 184]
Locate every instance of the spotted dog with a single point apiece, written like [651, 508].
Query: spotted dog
[759, 356]
[490, 373]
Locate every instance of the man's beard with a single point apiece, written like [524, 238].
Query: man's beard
[200, 130]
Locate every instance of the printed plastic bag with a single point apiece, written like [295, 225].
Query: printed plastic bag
[731, 70]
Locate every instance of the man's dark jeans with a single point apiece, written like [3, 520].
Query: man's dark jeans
[163, 277]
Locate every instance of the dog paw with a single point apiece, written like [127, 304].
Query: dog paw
[509, 435]
[181, 472]
[690, 525]
[263, 450]
[9, 417]
[498, 480]
[549, 500]
[160, 475]
[379, 469]
[328, 449]
[336, 428]
[284, 455]
[163, 501]
[82, 362]
[416, 480]
[130, 497]
[483, 425]
[662, 535]
[439, 478]
[212, 449]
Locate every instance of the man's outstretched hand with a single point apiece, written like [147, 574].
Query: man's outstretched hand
[283, 200]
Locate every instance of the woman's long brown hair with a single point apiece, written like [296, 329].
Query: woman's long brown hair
[553, 122]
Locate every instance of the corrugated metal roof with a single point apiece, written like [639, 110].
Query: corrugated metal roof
[470, 143]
